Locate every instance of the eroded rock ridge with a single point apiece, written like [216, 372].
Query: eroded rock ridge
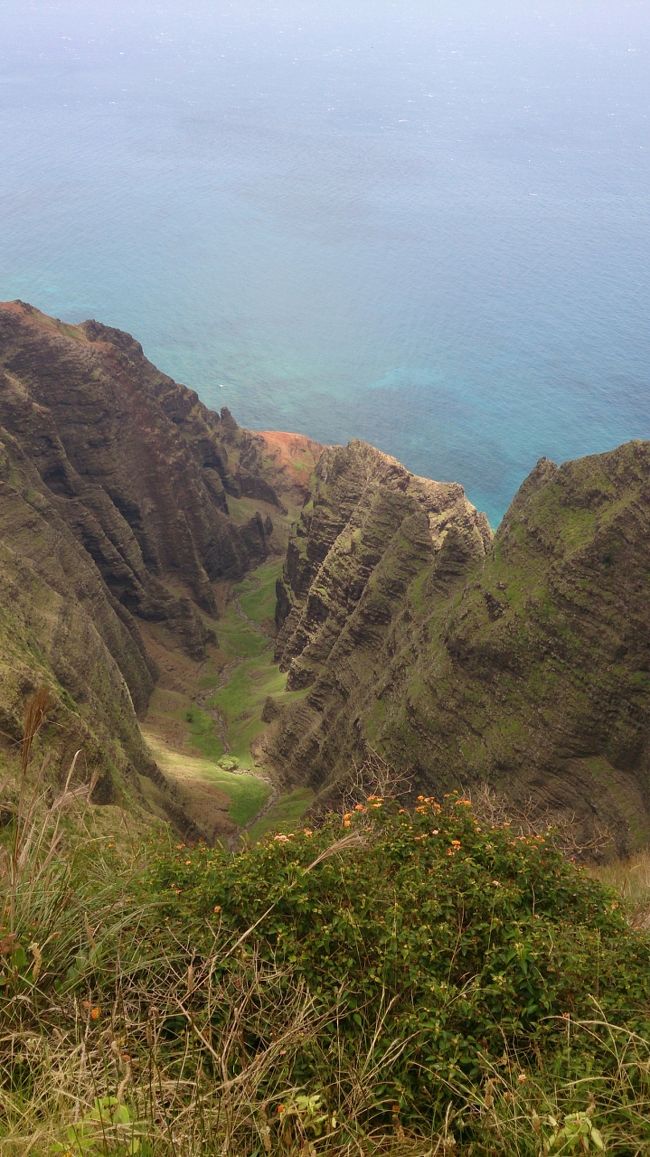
[522, 663]
[114, 491]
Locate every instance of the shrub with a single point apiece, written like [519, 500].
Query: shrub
[392, 982]
[433, 949]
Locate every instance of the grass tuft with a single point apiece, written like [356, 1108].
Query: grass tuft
[392, 982]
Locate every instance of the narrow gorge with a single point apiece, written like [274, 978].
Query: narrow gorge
[231, 623]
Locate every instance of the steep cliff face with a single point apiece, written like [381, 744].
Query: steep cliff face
[528, 669]
[115, 485]
[402, 627]
[133, 463]
[61, 626]
[543, 676]
[371, 550]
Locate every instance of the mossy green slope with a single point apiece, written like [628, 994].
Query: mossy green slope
[531, 672]
[115, 524]
[61, 628]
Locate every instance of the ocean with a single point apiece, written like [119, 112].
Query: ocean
[422, 224]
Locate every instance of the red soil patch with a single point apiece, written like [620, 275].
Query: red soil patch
[296, 454]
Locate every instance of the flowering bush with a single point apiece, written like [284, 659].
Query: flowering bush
[432, 948]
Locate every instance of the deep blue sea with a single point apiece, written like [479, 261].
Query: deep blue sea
[425, 224]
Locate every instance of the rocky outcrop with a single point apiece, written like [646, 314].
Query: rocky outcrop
[292, 457]
[368, 530]
[374, 550]
[528, 668]
[134, 464]
[115, 485]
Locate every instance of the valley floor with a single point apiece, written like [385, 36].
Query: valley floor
[204, 719]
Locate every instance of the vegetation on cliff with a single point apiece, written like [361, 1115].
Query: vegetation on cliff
[525, 665]
[126, 511]
[129, 512]
[375, 979]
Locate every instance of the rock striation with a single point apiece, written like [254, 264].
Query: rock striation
[115, 485]
[373, 550]
[524, 663]
[136, 466]
[368, 529]
[404, 627]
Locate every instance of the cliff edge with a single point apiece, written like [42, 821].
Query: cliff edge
[523, 663]
[116, 489]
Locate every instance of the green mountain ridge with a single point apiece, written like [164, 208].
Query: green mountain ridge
[125, 505]
[390, 977]
[525, 666]
[130, 513]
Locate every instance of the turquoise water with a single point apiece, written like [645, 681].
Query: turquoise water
[423, 224]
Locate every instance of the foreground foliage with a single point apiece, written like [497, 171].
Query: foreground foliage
[393, 982]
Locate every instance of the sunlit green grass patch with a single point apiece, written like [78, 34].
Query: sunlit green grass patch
[239, 640]
[247, 793]
[284, 814]
[229, 721]
[257, 592]
[203, 735]
[242, 699]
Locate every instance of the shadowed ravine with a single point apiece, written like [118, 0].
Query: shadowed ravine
[146, 561]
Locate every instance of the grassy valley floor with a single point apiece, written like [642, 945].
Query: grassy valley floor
[204, 718]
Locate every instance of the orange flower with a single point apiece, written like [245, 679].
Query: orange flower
[427, 803]
[358, 807]
[217, 908]
[95, 1013]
